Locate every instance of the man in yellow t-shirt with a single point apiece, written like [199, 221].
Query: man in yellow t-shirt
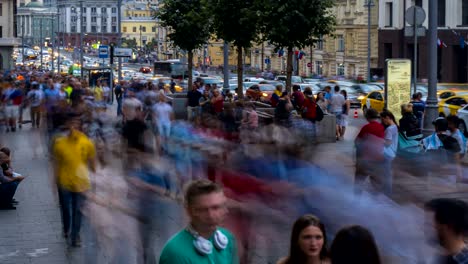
[74, 154]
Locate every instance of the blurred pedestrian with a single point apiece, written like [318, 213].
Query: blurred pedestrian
[346, 109]
[409, 122]
[369, 151]
[297, 97]
[419, 107]
[74, 155]
[35, 99]
[354, 244]
[453, 122]
[448, 219]
[337, 101]
[322, 102]
[390, 149]
[203, 241]
[275, 97]
[283, 110]
[308, 242]
[193, 103]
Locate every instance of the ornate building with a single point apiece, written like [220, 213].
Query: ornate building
[8, 34]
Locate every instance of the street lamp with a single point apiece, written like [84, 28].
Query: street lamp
[369, 4]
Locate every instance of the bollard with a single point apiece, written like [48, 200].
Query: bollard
[355, 114]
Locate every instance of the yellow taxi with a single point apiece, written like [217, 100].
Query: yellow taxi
[451, 105]
[374, 100]
[167, 84]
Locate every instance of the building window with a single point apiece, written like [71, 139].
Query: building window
[341, 43]
[103, 10]
[73, 29]
[319, 67]
[389, 14]
[465, 12]
[73, 9]
[143, 29]
[441, 13]
[84, 19]
[319, 44]
[124, 29]
[114, 29]
[93, 29]
[104, 20]
[93, 10]
[114, 10]
[114, 19]
[134, 29]
[93, 19]
[83, 29]
[153, 29]
[1, 9]
[340, 69]
[74, 19]
[418, 3]
[84, 9]
[104, 29]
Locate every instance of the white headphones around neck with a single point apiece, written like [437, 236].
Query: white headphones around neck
[204, 246]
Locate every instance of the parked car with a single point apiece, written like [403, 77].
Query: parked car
[260, 92]
[374, 100]
[294, 79]
[451, 105]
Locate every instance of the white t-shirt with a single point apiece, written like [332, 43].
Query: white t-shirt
[35, 97]
[391, 133]
[162, 113]
[337, 101]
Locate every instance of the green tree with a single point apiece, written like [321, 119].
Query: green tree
[188, 25]
[296, 24]
[237, 22]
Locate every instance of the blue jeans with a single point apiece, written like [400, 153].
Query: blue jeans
[119, 107]
[71, 203]
[7, 191]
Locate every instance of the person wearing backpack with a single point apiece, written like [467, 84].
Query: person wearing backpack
[283, 110]
[310, 109]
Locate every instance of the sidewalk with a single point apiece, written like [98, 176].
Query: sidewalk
[32, 233]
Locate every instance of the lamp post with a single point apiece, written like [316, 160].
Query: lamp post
[81, 38]
[119, 23]
[369, 4]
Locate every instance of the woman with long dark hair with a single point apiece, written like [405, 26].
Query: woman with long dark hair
[308, 242]
[354, 244]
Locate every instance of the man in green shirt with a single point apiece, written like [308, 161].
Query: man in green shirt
[202, 241]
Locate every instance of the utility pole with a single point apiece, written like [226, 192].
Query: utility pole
[369, 4]
[431, 103]
[119, 23]
[226, 64]
[40, 42]
[53, 42]
[311, 60]
[58, 45]
[81, 39]
[415, 62]
[22, 37]
[262, 55]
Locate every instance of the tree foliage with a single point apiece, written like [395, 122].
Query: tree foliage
[236, 22]
[188, 25]
[296, 24]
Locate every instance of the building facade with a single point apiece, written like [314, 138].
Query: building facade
[452, 32]
[99, 23]
[8, 39]
[36, 24]
[343, 54]
[139, 22]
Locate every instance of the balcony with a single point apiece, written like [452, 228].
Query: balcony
[8, 42]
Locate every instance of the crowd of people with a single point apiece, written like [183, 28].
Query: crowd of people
[241, 177]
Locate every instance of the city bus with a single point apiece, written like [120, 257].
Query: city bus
[171, 68]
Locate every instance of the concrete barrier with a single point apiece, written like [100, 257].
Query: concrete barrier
[325, 128]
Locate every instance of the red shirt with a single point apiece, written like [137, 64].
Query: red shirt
[370, 141]
[218, 104]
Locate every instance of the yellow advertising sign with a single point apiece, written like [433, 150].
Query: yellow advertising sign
[398, 85]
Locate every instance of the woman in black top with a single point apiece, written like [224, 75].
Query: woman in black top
[409, 124]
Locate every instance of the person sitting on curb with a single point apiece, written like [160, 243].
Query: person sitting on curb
[8, 184]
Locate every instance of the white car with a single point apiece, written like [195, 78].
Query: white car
[463, 115]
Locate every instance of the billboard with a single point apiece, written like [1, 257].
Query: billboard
[397, 85]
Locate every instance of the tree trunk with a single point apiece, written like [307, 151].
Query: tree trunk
[289, 70]
[240, 73]
[190, 66]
